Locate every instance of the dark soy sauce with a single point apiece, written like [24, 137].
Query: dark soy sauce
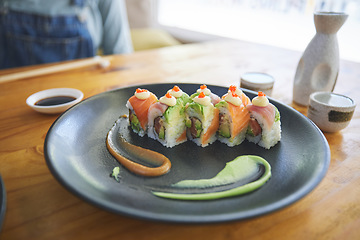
[50, 101]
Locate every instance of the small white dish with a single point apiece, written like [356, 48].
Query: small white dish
[331, 112]
[65, 98]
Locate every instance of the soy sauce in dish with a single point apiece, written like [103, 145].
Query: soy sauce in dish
[51, 101]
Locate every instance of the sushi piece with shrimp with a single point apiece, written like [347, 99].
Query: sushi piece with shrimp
[264, 125]
[167, 118]
[233, 119]
[138, 106]
[202, 120]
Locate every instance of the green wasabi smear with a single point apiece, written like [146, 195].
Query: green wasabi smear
[115, 173]
[240, 168]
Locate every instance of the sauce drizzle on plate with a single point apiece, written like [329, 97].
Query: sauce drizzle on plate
[144, 155]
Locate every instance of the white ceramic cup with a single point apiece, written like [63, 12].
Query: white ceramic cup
[331, 112]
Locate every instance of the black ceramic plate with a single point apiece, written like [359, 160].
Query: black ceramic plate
[76, 154]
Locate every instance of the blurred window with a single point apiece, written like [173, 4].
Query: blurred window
[283, 23]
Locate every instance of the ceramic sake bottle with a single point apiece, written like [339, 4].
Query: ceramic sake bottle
[318, 67]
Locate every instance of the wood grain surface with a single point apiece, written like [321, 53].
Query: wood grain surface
[38, 207]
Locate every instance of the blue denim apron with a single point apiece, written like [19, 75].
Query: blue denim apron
[27, 39]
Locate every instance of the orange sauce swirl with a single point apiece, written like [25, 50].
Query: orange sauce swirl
[143, 154]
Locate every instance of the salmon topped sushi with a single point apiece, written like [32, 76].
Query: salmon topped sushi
[233, 118]
[264, 125]
[138, 106]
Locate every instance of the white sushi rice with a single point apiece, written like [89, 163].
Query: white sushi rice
[268, 137]
[173, 131]
[237, 140]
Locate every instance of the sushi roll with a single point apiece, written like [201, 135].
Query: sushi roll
[264, 125]
[138, 106]
[167, 119]
[204, 89]
[233, 119]
[202, 120]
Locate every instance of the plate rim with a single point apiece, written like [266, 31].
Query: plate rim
[3, 202]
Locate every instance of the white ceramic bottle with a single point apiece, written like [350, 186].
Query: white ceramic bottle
[318, 67]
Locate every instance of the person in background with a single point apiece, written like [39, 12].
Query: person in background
[44, 31]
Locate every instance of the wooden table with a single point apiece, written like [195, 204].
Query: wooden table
[38, 207]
